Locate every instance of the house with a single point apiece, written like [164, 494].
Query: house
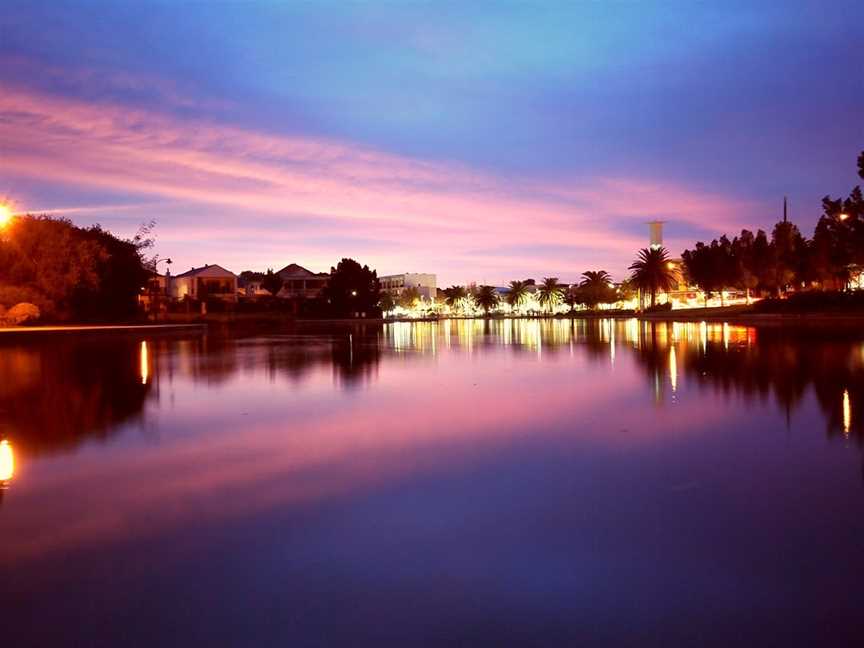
[206, 282]
[300, 282]
[396, 284]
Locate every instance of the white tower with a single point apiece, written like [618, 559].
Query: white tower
[655, 234]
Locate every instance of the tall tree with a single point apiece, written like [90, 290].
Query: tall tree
[550, 293]
[518, 294]
[651, 272]
[352, 288]
[487, 298]
[457, 298]
[596, 288]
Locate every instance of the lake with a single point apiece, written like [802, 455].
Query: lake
[513, 482]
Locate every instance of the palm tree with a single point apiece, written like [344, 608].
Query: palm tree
[652, 272]
[456, 297]
[596, 288]
[595, 278]
[518, 294]
[550, 293]
[486, 298]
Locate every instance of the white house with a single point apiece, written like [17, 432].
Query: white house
[209, 281]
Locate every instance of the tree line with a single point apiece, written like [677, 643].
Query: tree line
[70, 272]
[787, 260]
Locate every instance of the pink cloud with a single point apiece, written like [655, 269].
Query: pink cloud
[421, 215]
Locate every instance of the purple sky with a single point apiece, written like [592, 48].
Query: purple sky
[480, 141]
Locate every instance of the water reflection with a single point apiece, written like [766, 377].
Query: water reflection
[598, 461]
[57, 393]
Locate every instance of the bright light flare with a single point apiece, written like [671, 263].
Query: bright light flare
[5, 214]
[7, 462]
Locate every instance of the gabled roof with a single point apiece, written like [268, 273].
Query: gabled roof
[207, 270]
[295, 270]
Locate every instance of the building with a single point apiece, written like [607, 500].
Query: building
[300, 282]
[426, 284]
[206, 282]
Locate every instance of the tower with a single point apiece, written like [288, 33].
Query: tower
[655, 234]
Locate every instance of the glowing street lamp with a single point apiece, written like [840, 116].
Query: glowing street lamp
[7, 464]
[5, 214]
[843, 216]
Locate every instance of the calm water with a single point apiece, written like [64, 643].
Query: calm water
[515, 482]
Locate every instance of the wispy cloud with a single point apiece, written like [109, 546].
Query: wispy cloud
[256, 183]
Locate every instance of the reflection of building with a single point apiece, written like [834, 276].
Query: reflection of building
[300, 282]
[426, 284]
[209, 281]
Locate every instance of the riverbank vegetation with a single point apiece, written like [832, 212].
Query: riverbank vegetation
[70, 273]
[831, 260]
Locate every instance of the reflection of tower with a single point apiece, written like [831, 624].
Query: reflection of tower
[655, 233]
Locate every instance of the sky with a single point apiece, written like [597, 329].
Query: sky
[481, 141]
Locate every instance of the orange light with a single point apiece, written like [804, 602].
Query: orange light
[5, 214]
[7, 462]
[843, 217]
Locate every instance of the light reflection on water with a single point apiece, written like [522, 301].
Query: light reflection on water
[592, 480]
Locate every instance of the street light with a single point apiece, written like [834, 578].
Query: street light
[843, 216]
[5, 214]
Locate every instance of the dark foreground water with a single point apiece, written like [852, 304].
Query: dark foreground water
[467, 483]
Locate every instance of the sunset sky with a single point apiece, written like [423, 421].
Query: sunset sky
[480, 141]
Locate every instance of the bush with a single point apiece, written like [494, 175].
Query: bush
[815, 301]
[659, 308]
[23, 313]
[11, 295]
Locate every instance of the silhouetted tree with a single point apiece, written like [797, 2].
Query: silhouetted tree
[518, 294]
[487, 298]
[272, 282]
[595, 288]
[550, 293]
[351, 289]
[651, 272]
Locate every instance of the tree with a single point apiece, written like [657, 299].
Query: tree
[352, 288]
[272, 282]
[457, 297]
[74, 273]
[386, 302]
[409, 297]
[651, 272]
[786, 256]
[747, 265]
[487, 298]
[550, 293]
[573, 297]
[861, 165]
[699, 269]
[596, 288]
[518, 294]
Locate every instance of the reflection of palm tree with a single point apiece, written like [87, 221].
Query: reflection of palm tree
[550, 293]
[518, 294]
[651, 272]
[486, 298]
